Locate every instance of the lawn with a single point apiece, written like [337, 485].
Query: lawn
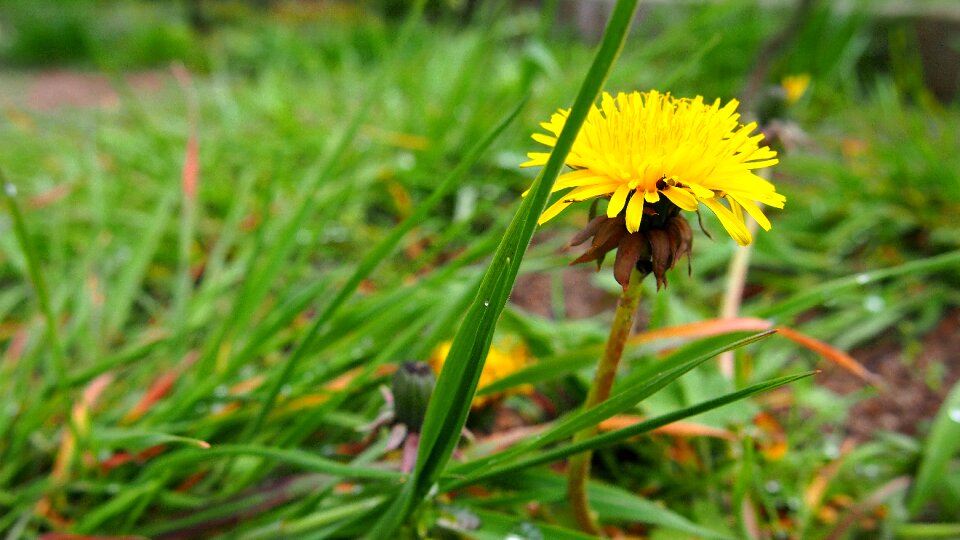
[226, 235]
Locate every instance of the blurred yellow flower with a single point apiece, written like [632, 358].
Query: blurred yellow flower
[504, 358]
[635, 148]
[795, 86]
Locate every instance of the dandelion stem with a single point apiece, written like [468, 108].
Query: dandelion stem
[579, 470]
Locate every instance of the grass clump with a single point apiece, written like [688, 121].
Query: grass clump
[346, 200]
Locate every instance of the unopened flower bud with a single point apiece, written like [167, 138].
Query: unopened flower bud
[413, 383]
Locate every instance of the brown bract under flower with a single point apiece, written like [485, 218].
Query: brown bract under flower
[655, 248]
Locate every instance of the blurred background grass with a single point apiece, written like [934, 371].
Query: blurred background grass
[189, 304]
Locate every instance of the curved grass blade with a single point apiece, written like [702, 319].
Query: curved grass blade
[58, 367]
[669, 369]
[497, 526]
[817, 295]
[941, 445]
[301, 459]
[613, 437]
[611, 503]
[386, 246]
[450, 403]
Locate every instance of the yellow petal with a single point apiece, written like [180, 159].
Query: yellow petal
[589, 192]
[754, 211]
[544, 139]
[617, 200]
[736, 229]
[552, 211]
[634, 213]
[681, 198]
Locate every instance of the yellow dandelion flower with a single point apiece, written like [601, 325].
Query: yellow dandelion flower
[638, 147]
[794, 86]
[504, 358]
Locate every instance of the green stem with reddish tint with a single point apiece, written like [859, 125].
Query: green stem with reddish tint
[579, 469]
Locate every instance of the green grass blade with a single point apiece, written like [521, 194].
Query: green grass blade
[613, 437]
[304, 460]
[255, 288]
[941, 446]
[450, 403]
[497, 526]
[928, 530]
[58, 365]
[457, 384]
[128, 284]
[818, 295]
[673, 368]
[611, 503]
[382, 250]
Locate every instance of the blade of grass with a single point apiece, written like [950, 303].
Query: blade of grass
[497, 526]
[817, 295]
[667, 371]
[612, 503]
[382, 250]
[57, 370]
[450, 403]
[619, 435]
[255, 288]
[127, 284]
[298, 458]
[941, 446]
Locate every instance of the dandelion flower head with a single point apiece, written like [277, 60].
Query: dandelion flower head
[505, 358]
[795, 86]
[636, 148]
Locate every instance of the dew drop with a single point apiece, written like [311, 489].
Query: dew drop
[863, 279]
[12, 409]
[486, 303]
[954, 414]
[831, 450]
[874, 304]
[10, 189]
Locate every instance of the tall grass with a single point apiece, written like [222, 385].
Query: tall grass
[184, 363]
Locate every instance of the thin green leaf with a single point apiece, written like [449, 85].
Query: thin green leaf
[822, 293]
[58, 367]
[611, 503]
[298, 458]
[497, 526]
[450, 403]
[616, 436]
[673, 367]
[130, 281]
[387, 246]
[941, 446]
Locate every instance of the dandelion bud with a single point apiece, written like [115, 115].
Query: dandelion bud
[412, 385]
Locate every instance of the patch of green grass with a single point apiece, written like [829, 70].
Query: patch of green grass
[177, 325]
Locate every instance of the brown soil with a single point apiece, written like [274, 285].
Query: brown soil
[916, 385]
[581, 300]
[50, 91]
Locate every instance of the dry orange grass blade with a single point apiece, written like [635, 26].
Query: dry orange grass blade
[161, 386]
[675, 429]
[710, 327]
[813, 495]
[80, 417]
[191, 159]
[838, 357]
[713, 327]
